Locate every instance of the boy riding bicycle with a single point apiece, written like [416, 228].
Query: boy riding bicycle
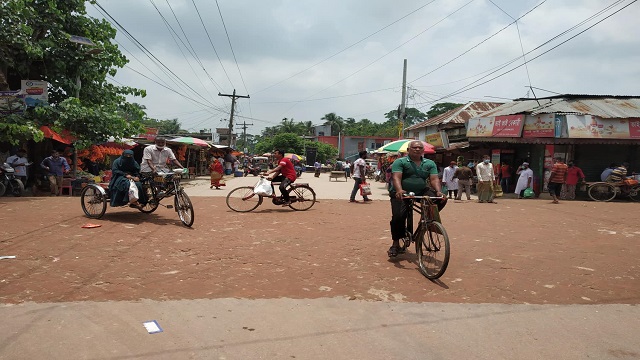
[285, 173]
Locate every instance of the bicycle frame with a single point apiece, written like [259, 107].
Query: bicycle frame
[422, 205]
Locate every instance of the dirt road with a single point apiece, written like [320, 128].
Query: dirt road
[515, 252]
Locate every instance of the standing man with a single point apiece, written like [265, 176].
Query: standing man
[317, 166]
[557, 178]
[56, 166]
[410, 174]
[574, 176]
[154, 157]
[359, 172]
[19, 163]
[284, 173]
[505, 177]
[450, 180]
[347, 168]
[525, 180]
[465, 178]
[486, 179]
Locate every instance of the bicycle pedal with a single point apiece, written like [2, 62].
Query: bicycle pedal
[169, 206]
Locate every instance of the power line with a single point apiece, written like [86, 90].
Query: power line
[232, 52]
[211, 42]
[349, 47]
[327, 98]
[469, 87]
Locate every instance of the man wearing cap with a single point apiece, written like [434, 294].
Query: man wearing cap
[525, 180]
[450, 180]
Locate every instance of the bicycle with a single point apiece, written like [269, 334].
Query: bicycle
[94, 198]
[430, 237]
[606, 191]
[243, 199]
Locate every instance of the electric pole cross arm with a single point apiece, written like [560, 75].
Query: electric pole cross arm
[233, 107]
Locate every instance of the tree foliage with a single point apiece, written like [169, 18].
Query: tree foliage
[293, 143]
[413, 116]
[34, 45]
[441, 108]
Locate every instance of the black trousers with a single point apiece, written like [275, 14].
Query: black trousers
[284, 182]
[399, 211]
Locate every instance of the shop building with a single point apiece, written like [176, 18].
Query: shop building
[592, 130]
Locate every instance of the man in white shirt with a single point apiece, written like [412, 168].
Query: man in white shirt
[154, 157]
[19, 162]
[359, 172]
[486, 178]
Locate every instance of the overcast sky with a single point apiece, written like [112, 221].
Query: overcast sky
[303, 59]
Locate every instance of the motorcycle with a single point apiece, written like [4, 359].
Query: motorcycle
[8, 181]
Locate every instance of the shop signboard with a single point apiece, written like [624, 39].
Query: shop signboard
[480, 127]
[36, 93]
[440, 140]
[11, 102]
[539, 126]
[593, 127]
[508, 126]
[150, 133]
[495, 157]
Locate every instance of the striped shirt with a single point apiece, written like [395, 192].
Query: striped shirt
[558, 173]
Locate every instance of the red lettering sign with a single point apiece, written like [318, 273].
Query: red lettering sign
[634, 128]
[508, 126]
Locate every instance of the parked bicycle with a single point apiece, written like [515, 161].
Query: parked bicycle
[94, 198]
[244, 199]
[430, 237]
[606, 191]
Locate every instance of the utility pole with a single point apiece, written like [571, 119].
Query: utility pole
[244, 134]
[401, 113]
[233, 106]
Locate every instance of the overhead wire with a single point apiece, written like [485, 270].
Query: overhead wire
[348, 47]
[469, 87]
[211, 42]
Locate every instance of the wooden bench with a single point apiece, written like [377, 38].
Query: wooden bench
[338, 174]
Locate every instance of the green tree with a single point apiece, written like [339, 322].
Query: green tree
[335, 121]
[413, 116]
[34, 44]
[441, 108]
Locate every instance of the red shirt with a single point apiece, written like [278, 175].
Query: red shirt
[574, 173]
[287, 170]
[506, 171]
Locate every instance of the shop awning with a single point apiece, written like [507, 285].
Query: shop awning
[64, 138]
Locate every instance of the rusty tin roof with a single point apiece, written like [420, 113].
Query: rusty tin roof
[604, 106]
[459, 115]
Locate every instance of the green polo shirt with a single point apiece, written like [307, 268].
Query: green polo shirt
[413, 181]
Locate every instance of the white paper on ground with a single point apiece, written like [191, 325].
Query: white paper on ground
[152, 327]
[7, 257]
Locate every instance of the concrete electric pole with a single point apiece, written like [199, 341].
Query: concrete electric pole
[233, 106]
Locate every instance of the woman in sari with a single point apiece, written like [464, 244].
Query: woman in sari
[125, 169]
[216, 170]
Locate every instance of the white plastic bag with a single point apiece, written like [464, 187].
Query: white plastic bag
[133, 191]
[263, 187]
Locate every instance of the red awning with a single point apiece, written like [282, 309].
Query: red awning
[64, 138]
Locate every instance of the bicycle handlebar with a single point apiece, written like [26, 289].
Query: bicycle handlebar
[410, 196]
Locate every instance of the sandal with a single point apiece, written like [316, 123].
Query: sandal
[393, 251]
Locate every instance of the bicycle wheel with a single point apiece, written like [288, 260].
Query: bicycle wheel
[302, 198]
[243, 199]
[601, 192]
[432, 249]
[634, 193]
[184, 207]
[18, 187]
[3, 188]
[94, 202]
[152, 202]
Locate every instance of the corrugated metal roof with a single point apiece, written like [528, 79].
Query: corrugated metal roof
[459, 115]
[604, 107]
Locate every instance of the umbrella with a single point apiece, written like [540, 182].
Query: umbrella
[294, 157]
[190, 141]
[401, 145]
[428, 148]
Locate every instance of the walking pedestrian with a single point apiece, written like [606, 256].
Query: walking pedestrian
[557, 177]
[486, 179]
[450, 180]
[505, 177]
[216, 171]
[56, 166]
[465, 178]
[359, 173]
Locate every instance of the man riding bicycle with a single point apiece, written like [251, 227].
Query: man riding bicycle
[409, 174]
[285, 173]
[154, 159]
